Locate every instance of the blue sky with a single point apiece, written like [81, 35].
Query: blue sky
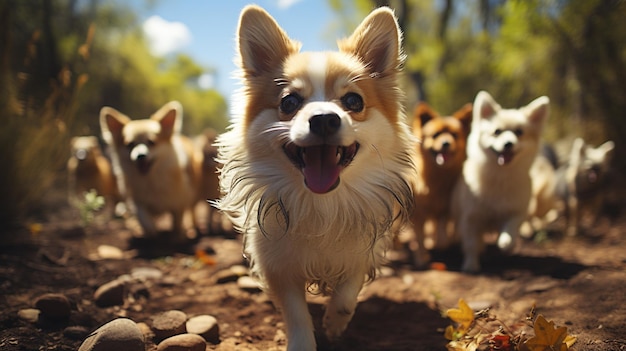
[205, 29]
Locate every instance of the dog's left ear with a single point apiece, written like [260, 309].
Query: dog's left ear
[464, 115]
[484, 106]
[170, 117]
[538, 110]
[377, 41]
[422, 114]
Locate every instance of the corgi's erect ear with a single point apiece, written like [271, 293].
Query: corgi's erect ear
[607, 148]
[464, 115]
[377, 41]
[422, 115]
[262, 44]
[538, 110]
[170, 117]
[485, 106]
[111, 123]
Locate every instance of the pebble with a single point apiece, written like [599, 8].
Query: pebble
[29, 315]
[183, 342]
[169, 323]
[110, 294]
[110, 252]
[54, 306]
[205, 326]
[231, 274]
[120, 334]
[248, 284]
[146, 273]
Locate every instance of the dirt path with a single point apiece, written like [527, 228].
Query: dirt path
[578, 282]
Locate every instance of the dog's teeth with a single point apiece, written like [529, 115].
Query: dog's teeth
[338, 155]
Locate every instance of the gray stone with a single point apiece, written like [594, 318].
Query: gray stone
[110, 294]
[54, 306]
[248, 284]
[146, 273]
[183, 342]
[29, 314]
[168, 324]
[76, 332]
[120, 334]
[205, 326]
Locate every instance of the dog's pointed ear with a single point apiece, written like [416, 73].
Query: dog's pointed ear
[485, 106]
[377, 41]
[262, 44]
[607, 149]
[170, 117]
[422, 115]
[464, 115]
[538, 110]
[112, 122]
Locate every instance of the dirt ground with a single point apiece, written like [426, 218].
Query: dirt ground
[578, 282]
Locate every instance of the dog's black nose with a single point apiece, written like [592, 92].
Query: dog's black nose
[508, 146]
[325, 124]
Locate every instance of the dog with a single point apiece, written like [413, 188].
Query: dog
[494, 190]
[543, 200]
[316, 165]
[583, 180]
[209, 182]
[88, 168]
[441, 151]
[157, 168]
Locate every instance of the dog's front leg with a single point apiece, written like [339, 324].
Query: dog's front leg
[289, 295]
[145, 220]
[471, 242]
[507, 240]
[342, 304]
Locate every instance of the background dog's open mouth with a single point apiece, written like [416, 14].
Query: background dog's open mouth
[504, 157]
[321, 164]
[441, 157]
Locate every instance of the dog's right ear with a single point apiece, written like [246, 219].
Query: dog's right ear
[111, 123]
[422, 115]
[464, 115]
[262, 44]
[485, 106]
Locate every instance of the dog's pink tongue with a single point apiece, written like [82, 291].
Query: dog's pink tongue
[321, 169]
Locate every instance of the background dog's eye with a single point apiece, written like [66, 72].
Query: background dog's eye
[150, 142]
[497, 132]
[131, 145]
[290, 103]
[518, 132]
[353, 102]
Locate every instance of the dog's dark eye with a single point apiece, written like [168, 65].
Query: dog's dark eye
[519, 132]
[290, 103]
[150, 142]
[131, 145]
[497, 132]
[353, 102]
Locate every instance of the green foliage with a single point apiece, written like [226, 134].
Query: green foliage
[89, 205]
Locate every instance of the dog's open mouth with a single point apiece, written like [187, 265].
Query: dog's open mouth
[321, 165]
[504, 157]
[441, 157]
[143, 165]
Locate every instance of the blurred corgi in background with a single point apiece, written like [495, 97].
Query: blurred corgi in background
[317, 164]
[494, 191]
[441, 153]
[158, 169]
[88, 168]
[583, 180]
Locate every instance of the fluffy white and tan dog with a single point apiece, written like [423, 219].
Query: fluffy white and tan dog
[494, 191]
[315, 166]
[157, 168]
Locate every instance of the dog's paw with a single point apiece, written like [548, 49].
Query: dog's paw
[506, 243]
[335, 322]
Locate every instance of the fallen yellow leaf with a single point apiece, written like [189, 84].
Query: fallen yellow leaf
[548, 337]
[463, 315]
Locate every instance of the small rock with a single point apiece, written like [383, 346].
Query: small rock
[146, 273]
[54, 306]
[248, 284]
[30, 315]
[230, 274]
[110, 294]
[120, 334]
[110, 252]
[183, 342]
[205, 326]
[168, 324]
[76, 332]
[148, 334]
